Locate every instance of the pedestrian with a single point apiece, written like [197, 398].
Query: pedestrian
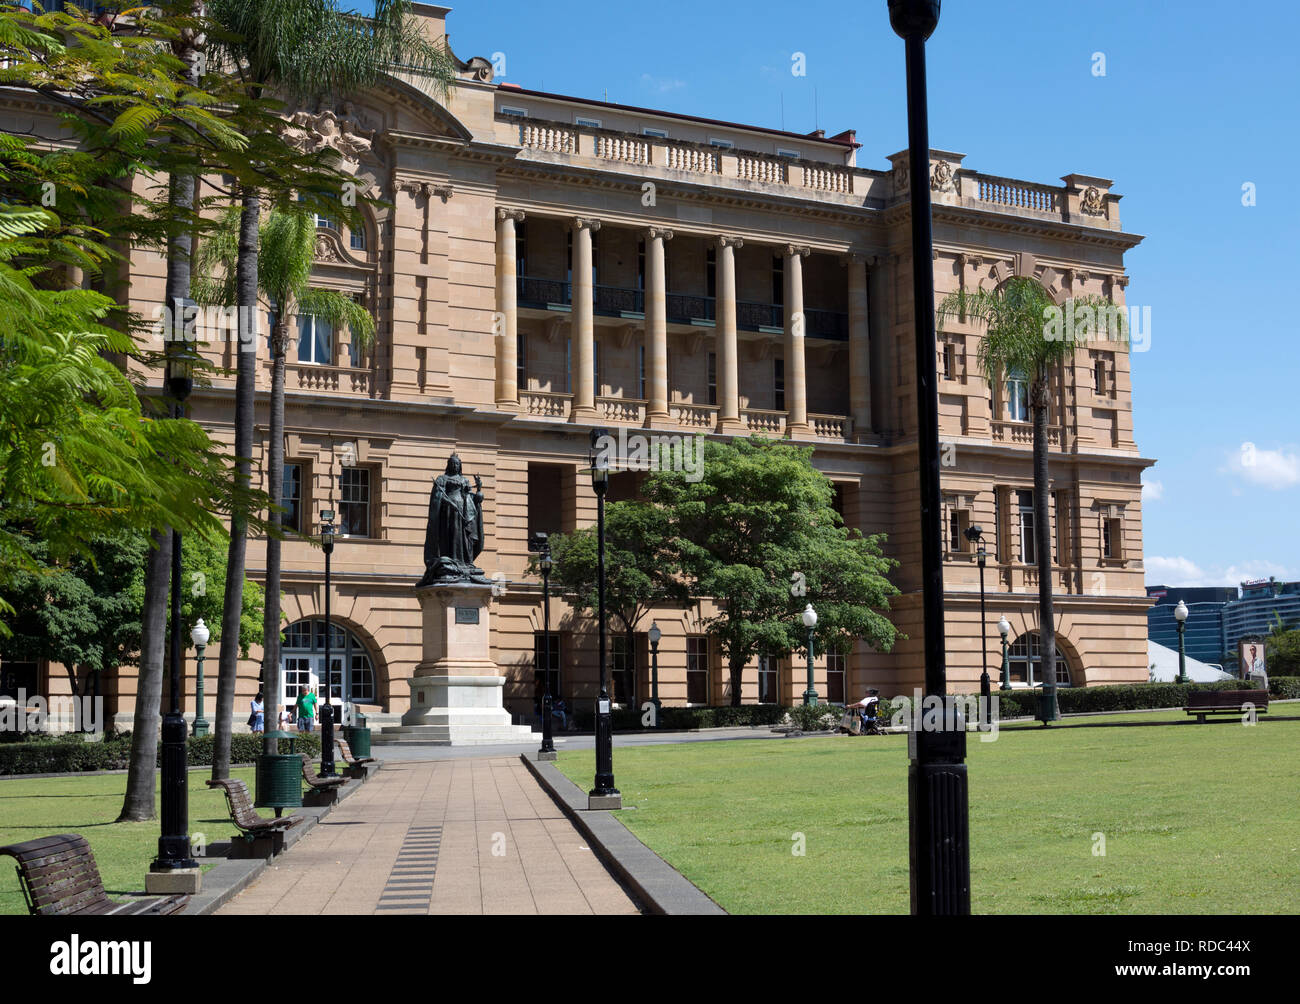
[285, 718]
[306, 710]
[257, 714]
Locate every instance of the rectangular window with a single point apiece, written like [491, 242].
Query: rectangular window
[357, 239]
[1062, 526]
[640, 370]
[697, 669]
[587, 123]
[514, 110]
[786, 152]
[291, 498]
[620, 663]
[1025, 502]
[595, 367]
[721, 144]
[768, 678]
[640, 267]
[778, 280]
[948, 361]
[656, 133]
[354, 502]
[1112, 539]
[546, 663]
[713, 378]
[1017, 398]
[315, 338]
[545, 498]
[778, 384]
[711, 272]
[521, 247]
[568, 366]
[958, 523]
[521, 361]
[835, 670]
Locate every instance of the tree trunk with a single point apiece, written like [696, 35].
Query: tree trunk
[236, 554]
[139, 802]
[1043, 543]
[737, 679]
[631, 665]
[275, 475]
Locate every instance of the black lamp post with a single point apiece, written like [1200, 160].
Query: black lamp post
[174, 838]
[655, 634]
[541, 544]
[1180, 615]
[937, 781]
[327, 708]
[604, 795]
[1004, 629]
[810, 622]
[199, 635]
[975, 534]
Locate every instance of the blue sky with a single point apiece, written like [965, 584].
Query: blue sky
[1197, 100]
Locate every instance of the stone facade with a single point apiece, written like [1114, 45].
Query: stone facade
[547, 264]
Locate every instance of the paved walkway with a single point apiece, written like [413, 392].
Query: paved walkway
[451, 837]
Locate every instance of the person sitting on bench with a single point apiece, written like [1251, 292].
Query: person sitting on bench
[867, 708]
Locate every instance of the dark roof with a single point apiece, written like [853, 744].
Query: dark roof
[844, 139]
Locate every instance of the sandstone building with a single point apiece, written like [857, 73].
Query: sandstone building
[550, 263]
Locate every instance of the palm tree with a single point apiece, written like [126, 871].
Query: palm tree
[285, 256]
[1019, 340]
[305, 50]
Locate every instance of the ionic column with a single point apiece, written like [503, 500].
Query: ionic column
[584, 325]
[859, 343]
[725, 326]
[796, 325]
[505, 326]
[656, 325]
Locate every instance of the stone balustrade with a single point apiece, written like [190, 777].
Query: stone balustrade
[316, 377]
[763, 421]
[831, 426]
[621, 409]
[755, 167]
[545, 404]
[1022, 433]
[548, 137]
[681, 157]
[625, 149]
[1017, 194]
[694, 416]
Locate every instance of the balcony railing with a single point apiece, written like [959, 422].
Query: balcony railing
[545, 404]
[694, 416]
[621, 409]
[314, 376]
[1022, 433]
[682, 308]
[763, 420]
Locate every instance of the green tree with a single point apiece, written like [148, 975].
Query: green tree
[1019, 340]
[758, 533]
[305, 50]
[640, 568]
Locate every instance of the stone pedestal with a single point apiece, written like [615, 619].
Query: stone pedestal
[173, 881]
[456, 693]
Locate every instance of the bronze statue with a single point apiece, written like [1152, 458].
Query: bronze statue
[454, 536]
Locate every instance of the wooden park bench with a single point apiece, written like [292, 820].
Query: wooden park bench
[262, 837]
[357, 768]
[59, 877]
[1224, 702]
[324, 790]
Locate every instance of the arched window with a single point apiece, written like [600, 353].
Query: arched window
[302, 663]
[1025, 661]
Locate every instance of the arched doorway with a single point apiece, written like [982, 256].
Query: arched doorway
[302, 663]
[1025, 662]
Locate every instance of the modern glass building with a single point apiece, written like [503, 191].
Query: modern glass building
[1258, 608]
[1204, 631]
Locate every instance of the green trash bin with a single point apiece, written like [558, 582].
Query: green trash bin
[278, 778]
[359, 739]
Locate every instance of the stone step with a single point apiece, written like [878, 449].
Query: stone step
[454, 735]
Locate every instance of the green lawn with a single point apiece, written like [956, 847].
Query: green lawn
[1196, 818]
[88, 805]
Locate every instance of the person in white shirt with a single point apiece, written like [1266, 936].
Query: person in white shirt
[868, 707]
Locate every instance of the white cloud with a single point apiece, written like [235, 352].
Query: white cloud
[1152, 490]
[1268, 468]
[661, 85]
[1180, 571]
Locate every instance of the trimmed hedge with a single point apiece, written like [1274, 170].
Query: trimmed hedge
[1121, 697]
[629, 719]
[68, 754]
[1284, 687]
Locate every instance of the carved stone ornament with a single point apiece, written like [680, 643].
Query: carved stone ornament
[1093, 203]
[341, 131]
[326, 250]
[941, 178]
[900, 176]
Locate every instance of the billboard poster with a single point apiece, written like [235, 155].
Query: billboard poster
[1251, 658]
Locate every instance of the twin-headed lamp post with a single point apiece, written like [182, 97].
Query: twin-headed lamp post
[326, 708]
[810, 622]
[1180, 615]
[975, 534]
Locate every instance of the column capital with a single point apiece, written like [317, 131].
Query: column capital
[586, 223]
[857, 258]
[802, 250]
[726, 241]
[505, 213]
[972, 260]
[661, 233]
[418, 186]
